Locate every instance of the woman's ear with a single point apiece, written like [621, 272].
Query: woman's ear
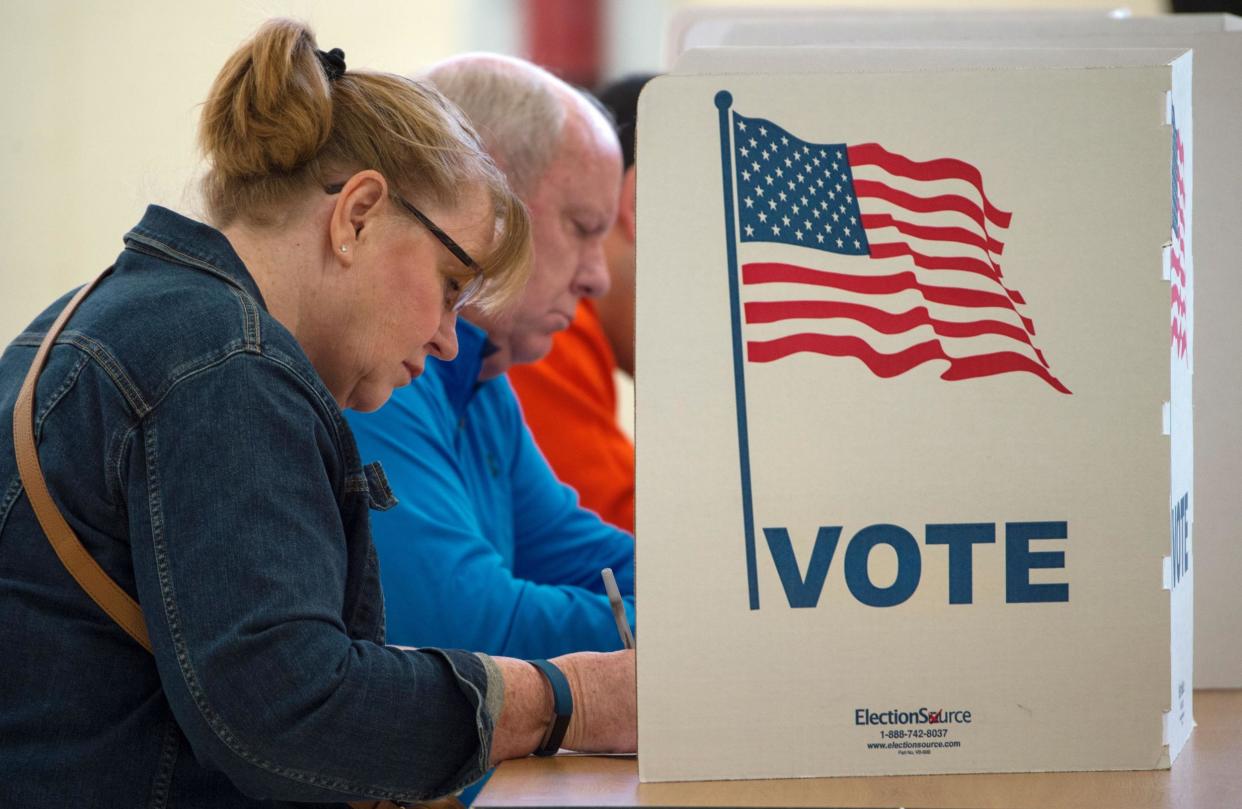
[362, 198]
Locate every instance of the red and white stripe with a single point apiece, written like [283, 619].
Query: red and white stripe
[1177, 256]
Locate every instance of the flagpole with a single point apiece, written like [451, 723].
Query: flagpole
[724, 100]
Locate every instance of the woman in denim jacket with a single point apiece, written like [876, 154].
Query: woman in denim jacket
[189, 428]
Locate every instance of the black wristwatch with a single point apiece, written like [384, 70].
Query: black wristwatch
[562, 707]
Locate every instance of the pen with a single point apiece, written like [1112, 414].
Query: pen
[618, 608]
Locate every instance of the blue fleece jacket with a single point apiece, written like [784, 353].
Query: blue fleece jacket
[486, 550]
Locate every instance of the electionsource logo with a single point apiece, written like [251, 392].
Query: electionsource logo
[920, 716]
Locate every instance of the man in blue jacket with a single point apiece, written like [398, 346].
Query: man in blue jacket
[486, 549]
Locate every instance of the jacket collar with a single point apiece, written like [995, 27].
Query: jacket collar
[183, 241]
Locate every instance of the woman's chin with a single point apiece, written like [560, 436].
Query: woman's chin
[368, 399]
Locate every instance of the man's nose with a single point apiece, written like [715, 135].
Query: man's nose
[592, 279]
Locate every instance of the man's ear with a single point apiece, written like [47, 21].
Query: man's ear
[626, 215]
[362, 198]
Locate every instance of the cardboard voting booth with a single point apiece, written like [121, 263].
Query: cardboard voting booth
[753, 36]
[707, 26]
[913, 421]
[736, 26]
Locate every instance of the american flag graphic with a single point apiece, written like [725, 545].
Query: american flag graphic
[855, 251]
[1177, 250]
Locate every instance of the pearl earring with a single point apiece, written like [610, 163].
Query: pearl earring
[344, 249]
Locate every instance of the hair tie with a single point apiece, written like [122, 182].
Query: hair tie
[333, 62]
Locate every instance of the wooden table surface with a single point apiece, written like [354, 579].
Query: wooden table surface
[1207, 775]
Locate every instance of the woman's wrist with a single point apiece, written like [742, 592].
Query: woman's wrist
[605, 705]
[526, 714]
[562, 706]
[605, 718]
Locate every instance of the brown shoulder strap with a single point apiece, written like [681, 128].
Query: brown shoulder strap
[84, 569]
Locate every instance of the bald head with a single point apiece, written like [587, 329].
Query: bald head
[561, 155]
[519, 109]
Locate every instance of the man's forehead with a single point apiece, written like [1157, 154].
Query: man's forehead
[585, 159]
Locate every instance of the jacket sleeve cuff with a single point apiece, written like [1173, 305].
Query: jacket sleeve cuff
[479, 678]
[495, 700]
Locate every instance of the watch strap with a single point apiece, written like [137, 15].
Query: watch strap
[562, 707]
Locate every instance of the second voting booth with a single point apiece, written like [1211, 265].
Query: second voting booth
[913, 421]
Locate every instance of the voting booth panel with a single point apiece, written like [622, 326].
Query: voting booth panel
[911, 56]
[706, 26]
[913, 422]
[740, 26]
[761, 40]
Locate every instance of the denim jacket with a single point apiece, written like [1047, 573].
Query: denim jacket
[196, 453]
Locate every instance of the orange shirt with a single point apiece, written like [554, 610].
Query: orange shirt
[570, 404]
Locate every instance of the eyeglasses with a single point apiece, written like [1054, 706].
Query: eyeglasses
[461, 296]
